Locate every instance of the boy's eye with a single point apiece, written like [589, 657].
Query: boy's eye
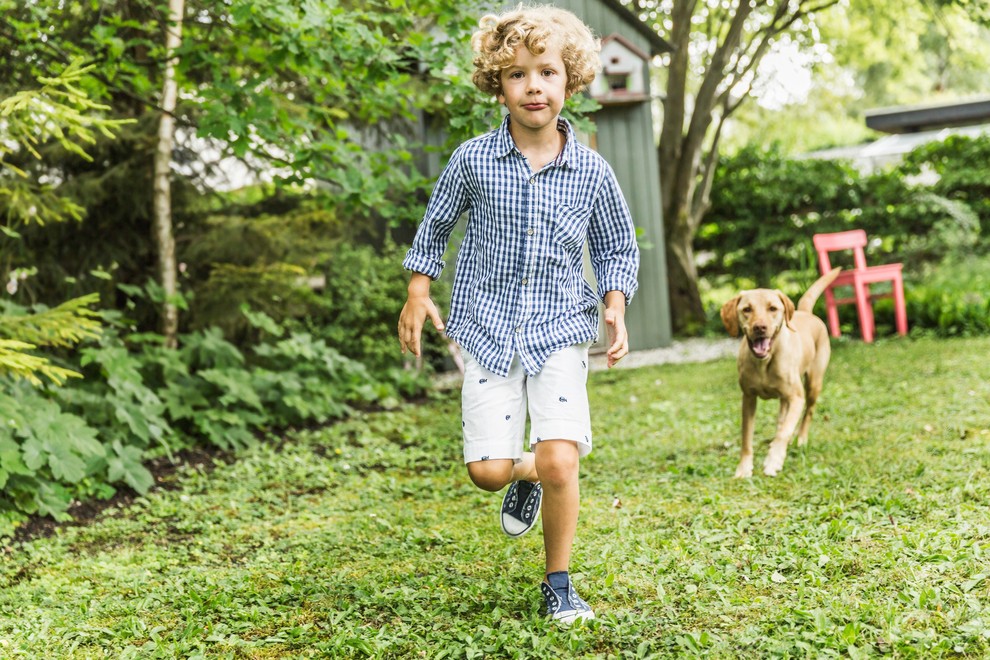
[549, 72]
[515, 74]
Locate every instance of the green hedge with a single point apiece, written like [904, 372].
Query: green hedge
[766, 207]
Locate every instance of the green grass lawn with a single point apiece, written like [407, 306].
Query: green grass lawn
[367, 539]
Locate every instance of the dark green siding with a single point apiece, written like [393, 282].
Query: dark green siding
[625, 138]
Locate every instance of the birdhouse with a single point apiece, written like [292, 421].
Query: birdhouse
[623, 76]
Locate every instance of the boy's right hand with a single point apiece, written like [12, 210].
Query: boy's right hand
[418, 306]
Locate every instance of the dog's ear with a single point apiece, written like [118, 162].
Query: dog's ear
[730, 316]
[788, 308]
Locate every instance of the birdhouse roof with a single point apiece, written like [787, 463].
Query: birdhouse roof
[625, 43]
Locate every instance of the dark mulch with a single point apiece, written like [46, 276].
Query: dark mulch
[162, 469]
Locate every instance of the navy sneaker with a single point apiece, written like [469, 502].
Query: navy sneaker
[563, 603]
[521, 507]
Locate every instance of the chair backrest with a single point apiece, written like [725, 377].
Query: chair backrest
[854, 239]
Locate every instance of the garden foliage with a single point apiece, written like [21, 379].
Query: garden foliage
[139, 400]
[931, 213]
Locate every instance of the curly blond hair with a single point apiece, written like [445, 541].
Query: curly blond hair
[535, 27]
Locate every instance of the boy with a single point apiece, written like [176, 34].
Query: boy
[520, 309]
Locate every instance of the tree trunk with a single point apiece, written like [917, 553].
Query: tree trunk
[162, 204]
[687, 311]
[734, 45]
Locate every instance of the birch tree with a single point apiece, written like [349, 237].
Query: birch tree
[162, 203]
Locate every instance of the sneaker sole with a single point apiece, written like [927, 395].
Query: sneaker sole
[536, 517]
[570, 618]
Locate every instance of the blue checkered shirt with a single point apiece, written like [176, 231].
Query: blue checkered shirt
[519, 286]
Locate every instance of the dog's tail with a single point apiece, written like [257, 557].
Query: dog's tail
[807, 302]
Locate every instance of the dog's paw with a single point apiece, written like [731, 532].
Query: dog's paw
[772, 466]
[744, 471]
[774, 462]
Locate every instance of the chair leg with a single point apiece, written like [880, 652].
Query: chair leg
[900, 311]
[864, 309]
[832, 312]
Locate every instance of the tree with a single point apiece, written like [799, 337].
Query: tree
[57, 110]
[162, 205]
[314, 96]
[718, 47]
[870, 55]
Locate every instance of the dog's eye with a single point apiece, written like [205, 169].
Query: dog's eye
[773, 308]
[747, 309]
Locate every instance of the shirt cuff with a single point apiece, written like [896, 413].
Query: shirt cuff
[420, 263]
[627, 288]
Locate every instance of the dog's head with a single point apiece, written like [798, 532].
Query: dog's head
[760, 314]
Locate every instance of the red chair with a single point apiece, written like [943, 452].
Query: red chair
[859, 277]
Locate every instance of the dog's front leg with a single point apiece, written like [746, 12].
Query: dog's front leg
[745, 469]
[790, 413]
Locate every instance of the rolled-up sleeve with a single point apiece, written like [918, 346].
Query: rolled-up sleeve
[447, 203]
[612, 241]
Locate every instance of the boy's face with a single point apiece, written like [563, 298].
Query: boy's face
[534, 88]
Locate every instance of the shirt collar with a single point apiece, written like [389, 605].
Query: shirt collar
[506, 146]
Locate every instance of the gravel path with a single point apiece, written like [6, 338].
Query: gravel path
[685, 350]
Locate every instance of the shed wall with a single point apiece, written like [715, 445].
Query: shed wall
[625, 138]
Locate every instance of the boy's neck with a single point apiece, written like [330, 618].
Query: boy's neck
[539, 147]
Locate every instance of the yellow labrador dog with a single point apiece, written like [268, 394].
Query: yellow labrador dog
[783, 355]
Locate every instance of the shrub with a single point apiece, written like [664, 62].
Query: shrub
[766, 208]
[138, 400]
[952, 299]
[367, 288]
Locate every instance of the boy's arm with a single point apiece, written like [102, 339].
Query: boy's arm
[418, 306]
[615, 323]
[424, 258]
[612, 241]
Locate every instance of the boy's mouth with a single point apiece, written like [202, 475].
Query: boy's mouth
[535, 106]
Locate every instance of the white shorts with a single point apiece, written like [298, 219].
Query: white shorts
[493, 407]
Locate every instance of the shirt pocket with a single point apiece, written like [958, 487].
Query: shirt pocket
[570, 225]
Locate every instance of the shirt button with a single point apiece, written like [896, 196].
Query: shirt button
[532, 181]
[518, 328]
[525, 280]
[530, 232]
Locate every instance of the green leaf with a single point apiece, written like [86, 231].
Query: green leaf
[125, 464]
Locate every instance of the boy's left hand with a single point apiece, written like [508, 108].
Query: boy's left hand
[618, 338]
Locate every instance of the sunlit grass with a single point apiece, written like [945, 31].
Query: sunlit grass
[367, 539]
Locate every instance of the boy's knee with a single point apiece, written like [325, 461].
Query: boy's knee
[557, 462]
[490, 475]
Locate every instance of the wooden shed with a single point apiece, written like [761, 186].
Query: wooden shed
[626, 138]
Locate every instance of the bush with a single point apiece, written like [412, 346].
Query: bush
[362, 305]
[766, 208]
[139, 400]
[952, 299]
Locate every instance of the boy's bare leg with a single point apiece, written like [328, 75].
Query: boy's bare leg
[557, 466]
[495, 474]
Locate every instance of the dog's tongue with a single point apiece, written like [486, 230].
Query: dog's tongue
[761, 346]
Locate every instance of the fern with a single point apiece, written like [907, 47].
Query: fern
[16, 362]
[62, 327]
